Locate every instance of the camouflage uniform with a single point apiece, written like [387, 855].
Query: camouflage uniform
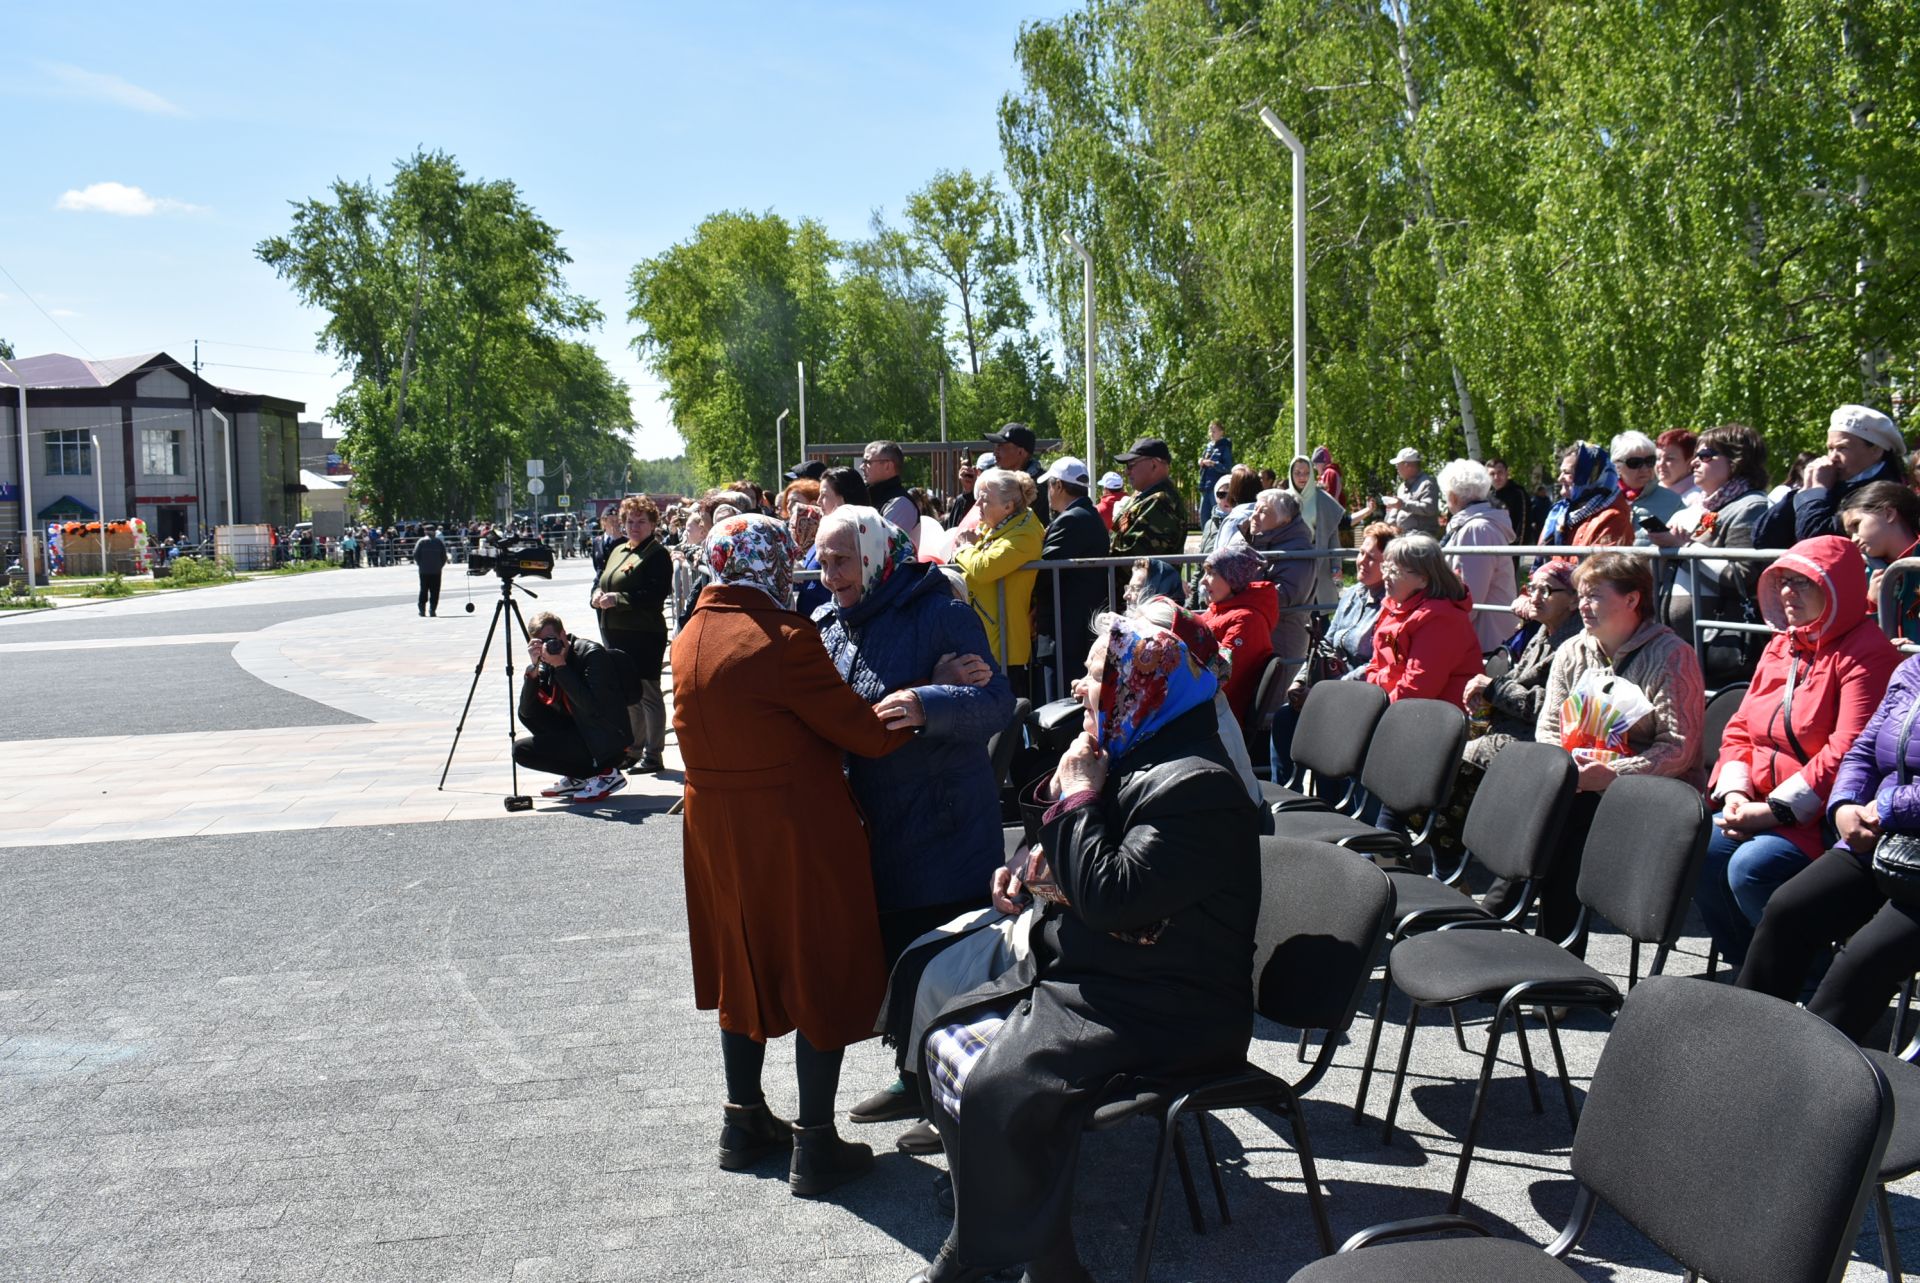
[1152, 523]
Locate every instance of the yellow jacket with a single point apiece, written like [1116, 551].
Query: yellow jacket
[996, 557]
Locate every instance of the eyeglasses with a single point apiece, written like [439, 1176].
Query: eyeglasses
[1708, 453]
[1638, 461]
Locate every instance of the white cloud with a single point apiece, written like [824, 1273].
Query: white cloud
[99, 86]
[118, 198]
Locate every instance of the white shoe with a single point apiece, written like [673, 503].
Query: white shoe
[566, 786]
[601, 786]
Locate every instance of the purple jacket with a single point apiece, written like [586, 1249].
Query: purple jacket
[1870, 768]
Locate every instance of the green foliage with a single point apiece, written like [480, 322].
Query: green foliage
[448, 305]
[302, 567]
[6, 350]
[114, 585]
[34, 600]
[195, 572]
[958, 229]
[663, 476]
[1574, 217]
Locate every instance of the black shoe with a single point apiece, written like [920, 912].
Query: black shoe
[923, 1138]
[752, 1135]
[890, 1104]
[647, 766]
[944, 1269]
[822, 1161]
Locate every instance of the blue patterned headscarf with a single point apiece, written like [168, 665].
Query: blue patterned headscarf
[1595, 485]
[1149, 679]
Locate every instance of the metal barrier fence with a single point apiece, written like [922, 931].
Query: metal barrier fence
[1703, 629]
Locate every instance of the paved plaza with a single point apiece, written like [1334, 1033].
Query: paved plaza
[273, 1006]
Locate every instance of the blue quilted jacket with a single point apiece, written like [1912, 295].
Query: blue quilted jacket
[933, 814]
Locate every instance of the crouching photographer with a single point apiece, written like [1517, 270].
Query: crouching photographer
[574, 704]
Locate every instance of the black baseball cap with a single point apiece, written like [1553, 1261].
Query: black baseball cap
[1014, 434]
[1146, 448]
[811, 470]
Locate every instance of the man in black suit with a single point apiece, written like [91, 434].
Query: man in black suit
[1075, 531]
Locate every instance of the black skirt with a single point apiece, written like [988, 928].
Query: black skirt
[646, 650]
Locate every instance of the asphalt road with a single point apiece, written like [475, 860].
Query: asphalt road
[124, 621]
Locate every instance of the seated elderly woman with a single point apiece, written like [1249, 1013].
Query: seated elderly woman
[1346, 647]
[1274, 524]
[1151, 577]
[1424, 646]
[1512, 701]
[1838, 898]
[1146, 874]
[990, 556]
[1242, 611]
[1623, 641]
[1478, 522]
[1816, 686]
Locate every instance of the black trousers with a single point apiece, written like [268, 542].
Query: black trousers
[559, 752]
[1833, 899]
[430, 592]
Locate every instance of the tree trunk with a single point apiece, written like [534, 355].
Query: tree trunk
[1469, 421]
[1872, 357]
[413, 329]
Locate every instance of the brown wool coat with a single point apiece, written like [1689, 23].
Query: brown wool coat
[780, 907]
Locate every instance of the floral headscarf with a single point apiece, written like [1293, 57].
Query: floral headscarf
[803, 519]
[1202, 646]
[753, 550]
[1150, 679]
[884, 547]
[1595, 485]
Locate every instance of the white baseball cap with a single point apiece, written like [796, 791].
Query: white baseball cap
[1407, 455]
[1111, 481]
[985, 461]
[1068, 469]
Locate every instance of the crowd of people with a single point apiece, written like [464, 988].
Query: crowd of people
[1006, 975]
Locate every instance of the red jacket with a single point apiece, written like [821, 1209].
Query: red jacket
[1424, 648]
[1108, 502]
[1243, 625]
[1839, 665]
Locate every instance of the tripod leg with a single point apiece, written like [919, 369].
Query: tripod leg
[474, 686]
[513, 608]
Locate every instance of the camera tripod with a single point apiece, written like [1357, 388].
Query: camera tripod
[506, 606]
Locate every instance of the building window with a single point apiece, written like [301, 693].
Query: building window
[160, 451]
[69, 454]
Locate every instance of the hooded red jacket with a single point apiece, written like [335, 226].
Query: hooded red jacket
[1425, 648]
[1837, 667]
[1243, 625]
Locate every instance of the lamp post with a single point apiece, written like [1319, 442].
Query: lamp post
[100, 496]
[1293, 145]
[1086, 290]
[779, 449]
[26, 479]
[801, 366]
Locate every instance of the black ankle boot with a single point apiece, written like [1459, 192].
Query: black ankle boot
[751, 1135]
[821, 1161]
[944, 1268]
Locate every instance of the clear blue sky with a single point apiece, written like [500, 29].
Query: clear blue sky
[150, 149]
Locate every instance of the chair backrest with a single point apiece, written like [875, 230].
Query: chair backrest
[1513, 826]
[1336, 724]
[1415, 754]
[1643, 855]
[1000, 748]
[1720, 711]
[1265, 698]
[1323, 917]
[1739, 1132]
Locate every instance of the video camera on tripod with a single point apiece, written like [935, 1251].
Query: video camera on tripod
[510, 557]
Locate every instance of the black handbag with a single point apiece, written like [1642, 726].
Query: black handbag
[1896, 856]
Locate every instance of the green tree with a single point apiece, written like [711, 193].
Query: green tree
[447, 303]
[957, 229]
[663, 476]
[6, 350]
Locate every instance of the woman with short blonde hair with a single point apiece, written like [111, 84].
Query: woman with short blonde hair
[1008, 537]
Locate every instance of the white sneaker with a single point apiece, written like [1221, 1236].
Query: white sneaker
[601, 786]
[565, 786]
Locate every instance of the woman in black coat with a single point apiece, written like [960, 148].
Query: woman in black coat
[1147, 871]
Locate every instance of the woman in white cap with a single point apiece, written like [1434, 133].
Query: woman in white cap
[1863, 446]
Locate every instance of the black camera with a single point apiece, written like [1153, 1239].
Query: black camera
[553, 645]
[508, 558]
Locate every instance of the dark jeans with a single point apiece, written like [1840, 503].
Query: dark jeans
[1833, 899]
[559, 752]
[429, 592]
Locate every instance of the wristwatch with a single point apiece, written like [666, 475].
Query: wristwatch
[1782, 812]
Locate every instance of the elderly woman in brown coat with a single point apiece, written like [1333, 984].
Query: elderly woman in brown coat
[780, 904]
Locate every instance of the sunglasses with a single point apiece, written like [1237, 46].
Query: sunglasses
[1638, 461]
[1707, 452]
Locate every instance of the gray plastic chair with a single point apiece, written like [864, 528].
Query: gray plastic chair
[1412, 761]
[1329, 743]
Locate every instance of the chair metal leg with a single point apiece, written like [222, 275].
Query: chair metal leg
[1213, 1166]
[1459, 1031]
[1479, 1107]
[1194, 1213]
[1150, 1219]
[1633, 965]
[1316, 1199]
[1302, 1053]
[1526, 1056]
[1400, 1074]
[1889, 1246]
[1373, 1048]
[1713, 961]
[1900, 1016]
[1560, 1063]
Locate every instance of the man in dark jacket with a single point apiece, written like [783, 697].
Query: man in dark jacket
[573, 702]
[1075, 531]
[1863, 446]
[429, 558]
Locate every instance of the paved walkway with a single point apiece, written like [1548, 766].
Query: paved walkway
[406, 675]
